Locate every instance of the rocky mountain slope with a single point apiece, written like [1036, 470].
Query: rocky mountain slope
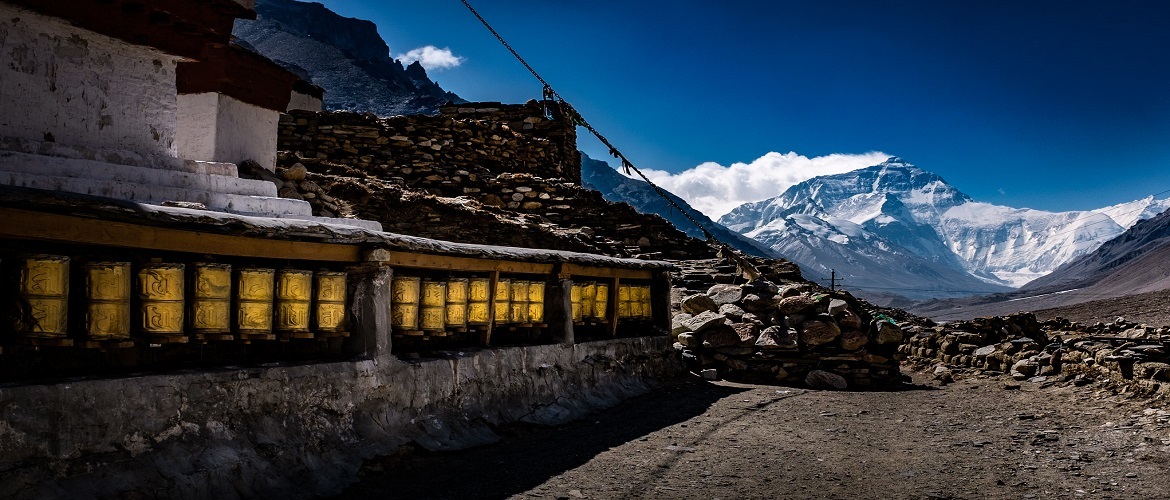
[897, 228]
[343, 55]
[1136, 262]
[600, 176]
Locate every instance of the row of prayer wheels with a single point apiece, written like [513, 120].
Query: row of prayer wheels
[591, 301]
[286, 301]
[435, 306]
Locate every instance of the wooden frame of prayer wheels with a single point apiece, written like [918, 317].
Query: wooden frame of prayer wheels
[330, 310]
[107, 290]
[478, 297]
[294, 292]
[211, 299]
[44, 287]
[254, 294]
[406, 291]
[160, 291]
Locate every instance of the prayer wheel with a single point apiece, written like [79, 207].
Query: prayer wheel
[623, 301]
[575, 298]
[536, 301]
[107, 290]
[160, 290]
[432, 314]
[254, 293]
[406, 292]
[518, 305]
[478, 295]
[44, 286]
[294, 291]
[457, 290]
[331, 295]
[644, 297]
[601, 301]
[501, 299]
[588, 295]
[211, 301]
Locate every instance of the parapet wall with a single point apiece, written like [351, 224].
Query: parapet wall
[464, 144]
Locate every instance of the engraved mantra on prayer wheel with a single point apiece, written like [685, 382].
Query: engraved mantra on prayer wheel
[160, 289]
[211, 301]
[294, 291]
[254, 292]
[44, 287]
[107, 288]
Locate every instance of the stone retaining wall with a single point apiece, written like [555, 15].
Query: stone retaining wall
[451, 154]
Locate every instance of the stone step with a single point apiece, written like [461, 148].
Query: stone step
[81, 169]
[266, 206]
[117, 157]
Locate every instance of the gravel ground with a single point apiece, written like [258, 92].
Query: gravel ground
[1150, 308]
[977, 438]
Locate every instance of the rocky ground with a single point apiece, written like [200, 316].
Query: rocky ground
[979, 437]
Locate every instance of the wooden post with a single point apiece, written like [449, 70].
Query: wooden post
[611, 308]
[486, 338]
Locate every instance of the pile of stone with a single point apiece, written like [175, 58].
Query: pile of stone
[792, 334]
[1121, 352]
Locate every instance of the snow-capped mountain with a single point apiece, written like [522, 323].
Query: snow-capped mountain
[600, 176]
[897, 228]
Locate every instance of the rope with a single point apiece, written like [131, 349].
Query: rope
[550, 94]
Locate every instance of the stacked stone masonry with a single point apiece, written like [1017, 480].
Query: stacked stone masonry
[450, 154]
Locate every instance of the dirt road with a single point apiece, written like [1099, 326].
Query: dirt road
[972, 439]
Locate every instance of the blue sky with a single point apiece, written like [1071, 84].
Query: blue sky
[1054, 105]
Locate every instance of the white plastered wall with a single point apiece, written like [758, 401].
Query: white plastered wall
[306, 102]
[62, 84]
[216, 127]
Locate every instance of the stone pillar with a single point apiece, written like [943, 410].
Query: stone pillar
[369, 287]
[558, 310]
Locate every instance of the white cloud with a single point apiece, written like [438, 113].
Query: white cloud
[431, 57]
[715, 190]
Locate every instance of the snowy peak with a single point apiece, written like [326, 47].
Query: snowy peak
[896, 214]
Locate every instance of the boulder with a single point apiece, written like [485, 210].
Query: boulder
[778, 338]
[720, 336]
[790, 290]
[837, 306]
[849, 321]
[296, 173]
[748, 333]
[725, 294]
[703, 321]
[815, 332]
[699, 303]
[796, 304]
[678, 323]
[732, 312]
[887, 332]
[690, 341]
[852, 340]
[756, 303]
[823, 380]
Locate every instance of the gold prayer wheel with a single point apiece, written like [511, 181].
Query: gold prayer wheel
[575, 298]
[601, 301]
[432, 315]
[457, 295]
[536, 301]
[406, 293]
[588, 295]
[211, 303]
[331, 294]
[294, 290]
[501, 301]
[160, 289]
[623, 301]
[44, 286]
[107, 288]
[518, 304]
[478, 294]
[635, 309]
[254, 293]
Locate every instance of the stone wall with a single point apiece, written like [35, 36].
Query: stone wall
[460, 149]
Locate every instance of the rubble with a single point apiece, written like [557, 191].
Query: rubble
[1130, 356]
[795, 333]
